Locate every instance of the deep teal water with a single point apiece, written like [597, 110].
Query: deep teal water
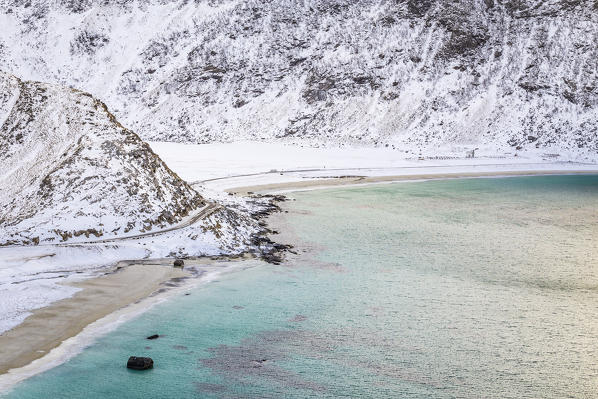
[479, 288]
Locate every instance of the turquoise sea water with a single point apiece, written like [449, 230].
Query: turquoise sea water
[479, 288]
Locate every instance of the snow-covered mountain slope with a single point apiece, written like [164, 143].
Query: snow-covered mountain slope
[414, 74]
[71, 171]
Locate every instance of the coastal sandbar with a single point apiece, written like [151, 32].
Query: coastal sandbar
[315, 183]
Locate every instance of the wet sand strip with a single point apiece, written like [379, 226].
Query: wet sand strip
[46, 328]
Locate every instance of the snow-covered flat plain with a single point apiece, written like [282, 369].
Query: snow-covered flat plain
[222, 166]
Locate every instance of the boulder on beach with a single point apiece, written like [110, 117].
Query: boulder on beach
[179, 263]
[140, 363]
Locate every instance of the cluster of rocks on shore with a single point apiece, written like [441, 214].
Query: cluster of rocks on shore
[269, 250]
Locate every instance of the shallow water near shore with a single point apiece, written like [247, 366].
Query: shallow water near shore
[458, 288]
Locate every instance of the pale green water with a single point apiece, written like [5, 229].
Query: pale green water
[484, 288]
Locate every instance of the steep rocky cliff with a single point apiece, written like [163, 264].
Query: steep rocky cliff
[510, 74]
[71, 171]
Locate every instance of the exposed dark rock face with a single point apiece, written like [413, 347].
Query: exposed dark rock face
[410, 73]
[88, 43]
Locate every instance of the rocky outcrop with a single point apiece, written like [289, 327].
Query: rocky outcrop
[140, 363]
[70, 171]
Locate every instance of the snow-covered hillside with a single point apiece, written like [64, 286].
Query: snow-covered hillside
[513, 74]
[71, 171]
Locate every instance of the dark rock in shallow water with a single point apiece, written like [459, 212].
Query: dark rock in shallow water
[179, 263]
[153, 336]
[271, 258]
[140, 363]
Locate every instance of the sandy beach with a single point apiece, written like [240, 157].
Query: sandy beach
[366, 180]
[47, 327]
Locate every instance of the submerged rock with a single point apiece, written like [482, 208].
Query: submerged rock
[140, 363]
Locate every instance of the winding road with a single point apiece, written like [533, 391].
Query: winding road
[203, 213]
